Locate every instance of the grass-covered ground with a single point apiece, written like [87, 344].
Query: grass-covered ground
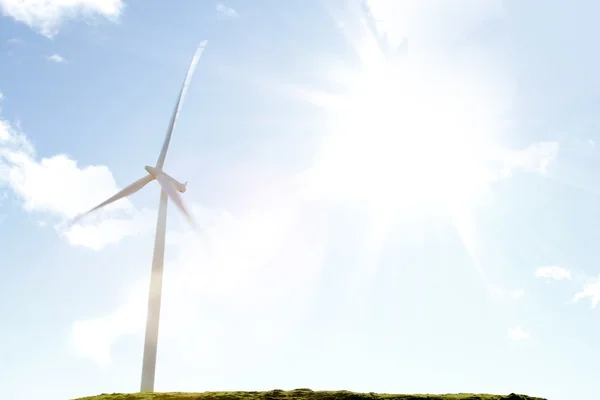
[303, 394]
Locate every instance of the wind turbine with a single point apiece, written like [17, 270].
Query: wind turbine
[170, 189]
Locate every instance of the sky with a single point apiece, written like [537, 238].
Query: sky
[393, 196]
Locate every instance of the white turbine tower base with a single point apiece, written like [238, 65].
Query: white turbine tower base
[170, 189]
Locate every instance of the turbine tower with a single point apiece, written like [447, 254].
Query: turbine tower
[170, 189]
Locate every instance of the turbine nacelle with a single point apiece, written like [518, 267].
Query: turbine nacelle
[180, 187]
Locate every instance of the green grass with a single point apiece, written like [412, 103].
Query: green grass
[303, 394]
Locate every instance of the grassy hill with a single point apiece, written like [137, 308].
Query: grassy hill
[303, 394]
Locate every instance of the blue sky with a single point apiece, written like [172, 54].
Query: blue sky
[400, 196]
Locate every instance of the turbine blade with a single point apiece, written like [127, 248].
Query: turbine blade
[163, 153]
[129, 190]
[173, 194]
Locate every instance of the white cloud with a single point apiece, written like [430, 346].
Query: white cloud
[518, 334]
[15, 41]
[93, 338]
[46, 16]
[226, 11]
[59, 188]
[591, 290]
[58, 185]
[553, 272]
[536, 158]
[110, 230]
[56, 58]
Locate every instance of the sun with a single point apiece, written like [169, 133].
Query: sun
[409, 144]
[403, 140]
[412, 136]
